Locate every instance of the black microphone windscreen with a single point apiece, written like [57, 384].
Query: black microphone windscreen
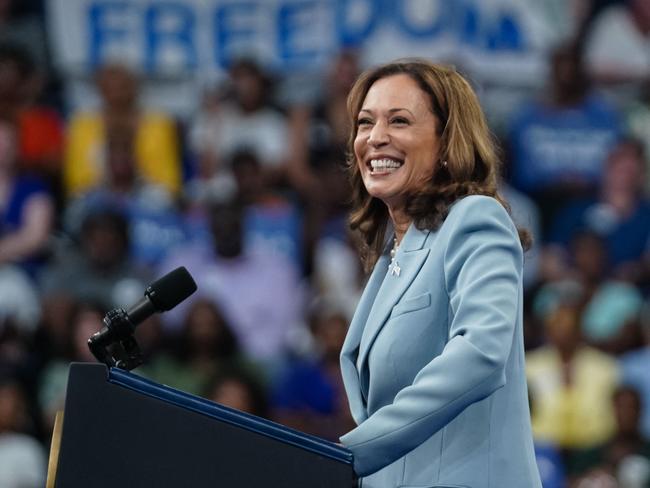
[170, 290]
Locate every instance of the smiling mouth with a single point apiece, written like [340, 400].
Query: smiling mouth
[384, 165]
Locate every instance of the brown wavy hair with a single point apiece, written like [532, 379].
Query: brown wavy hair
[467, 163]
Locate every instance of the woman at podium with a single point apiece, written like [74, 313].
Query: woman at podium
[433, 362]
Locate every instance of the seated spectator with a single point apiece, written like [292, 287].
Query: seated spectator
[84, 322]
[626, 443]
[258, 290]
[571, 385]
[634, 369]
[617, 45]
[204, 348]
[611, 307]
[239, 390]
[620, 213]
[271, 219]
[558, 144]
[23, 462]
[26, 210]
[242, 118]
[39, 129]
[155, 144]
[155, 226]
[99, 269]
[309, 394]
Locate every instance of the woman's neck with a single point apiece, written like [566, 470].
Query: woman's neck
[401, 222]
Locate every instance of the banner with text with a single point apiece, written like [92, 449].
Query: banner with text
[495, 39]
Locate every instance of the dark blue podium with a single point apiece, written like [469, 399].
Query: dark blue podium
[120, 429]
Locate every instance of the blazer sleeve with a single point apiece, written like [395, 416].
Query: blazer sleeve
[482, 266]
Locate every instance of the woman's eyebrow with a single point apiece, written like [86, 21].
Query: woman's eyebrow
[390, 111]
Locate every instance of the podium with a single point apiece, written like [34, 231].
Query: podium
[120, 429]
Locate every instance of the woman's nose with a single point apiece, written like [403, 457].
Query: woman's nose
[378, 135]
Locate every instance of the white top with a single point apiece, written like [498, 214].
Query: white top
[616, 46]
[22, 461]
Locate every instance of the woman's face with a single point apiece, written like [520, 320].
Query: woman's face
[396, 144]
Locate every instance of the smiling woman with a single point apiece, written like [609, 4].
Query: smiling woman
[433, 363]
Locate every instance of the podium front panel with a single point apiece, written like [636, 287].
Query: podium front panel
[122, 430]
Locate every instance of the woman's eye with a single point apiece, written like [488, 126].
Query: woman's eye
[399, 120]
[364, 121]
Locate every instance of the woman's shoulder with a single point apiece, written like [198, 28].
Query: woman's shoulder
[476, 212]
[478, 206]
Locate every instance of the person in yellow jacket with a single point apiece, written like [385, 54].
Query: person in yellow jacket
[156, 144]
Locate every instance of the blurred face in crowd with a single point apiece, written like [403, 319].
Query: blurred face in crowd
[589, 256]
[641, 10]
[10, 80]
[562, 327]
[7, 147]
[329, 332]
[627, 408]
[117, 85]
[234, 394]
[87, 322]
[396, 143]
[344, 72]
[227, 229]
[104, 242]
[568, 75]
[207, 332]
[625, 169]
[12, 406]
[248, 85]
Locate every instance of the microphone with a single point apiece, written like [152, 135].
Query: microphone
[114, 344]
[162, 295]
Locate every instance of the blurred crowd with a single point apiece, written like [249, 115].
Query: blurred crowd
[250, 195]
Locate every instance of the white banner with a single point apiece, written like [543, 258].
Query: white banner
[492, 38]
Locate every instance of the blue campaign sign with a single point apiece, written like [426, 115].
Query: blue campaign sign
[186, 36]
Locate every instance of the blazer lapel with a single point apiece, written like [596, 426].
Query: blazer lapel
[350, 349]
[409, 258]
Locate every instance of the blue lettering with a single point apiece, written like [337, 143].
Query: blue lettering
[505, 36]
[103, 32]
[291, 23]
[353, 35]
[425, 31]
[229, 31]
[470, 26]
[181, 17]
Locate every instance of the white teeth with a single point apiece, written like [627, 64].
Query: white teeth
[384, 164]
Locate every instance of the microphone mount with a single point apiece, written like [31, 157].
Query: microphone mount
[115, 344]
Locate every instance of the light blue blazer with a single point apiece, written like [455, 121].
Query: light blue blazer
[433, 363]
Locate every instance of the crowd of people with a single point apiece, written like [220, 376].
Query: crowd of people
[251, 195]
